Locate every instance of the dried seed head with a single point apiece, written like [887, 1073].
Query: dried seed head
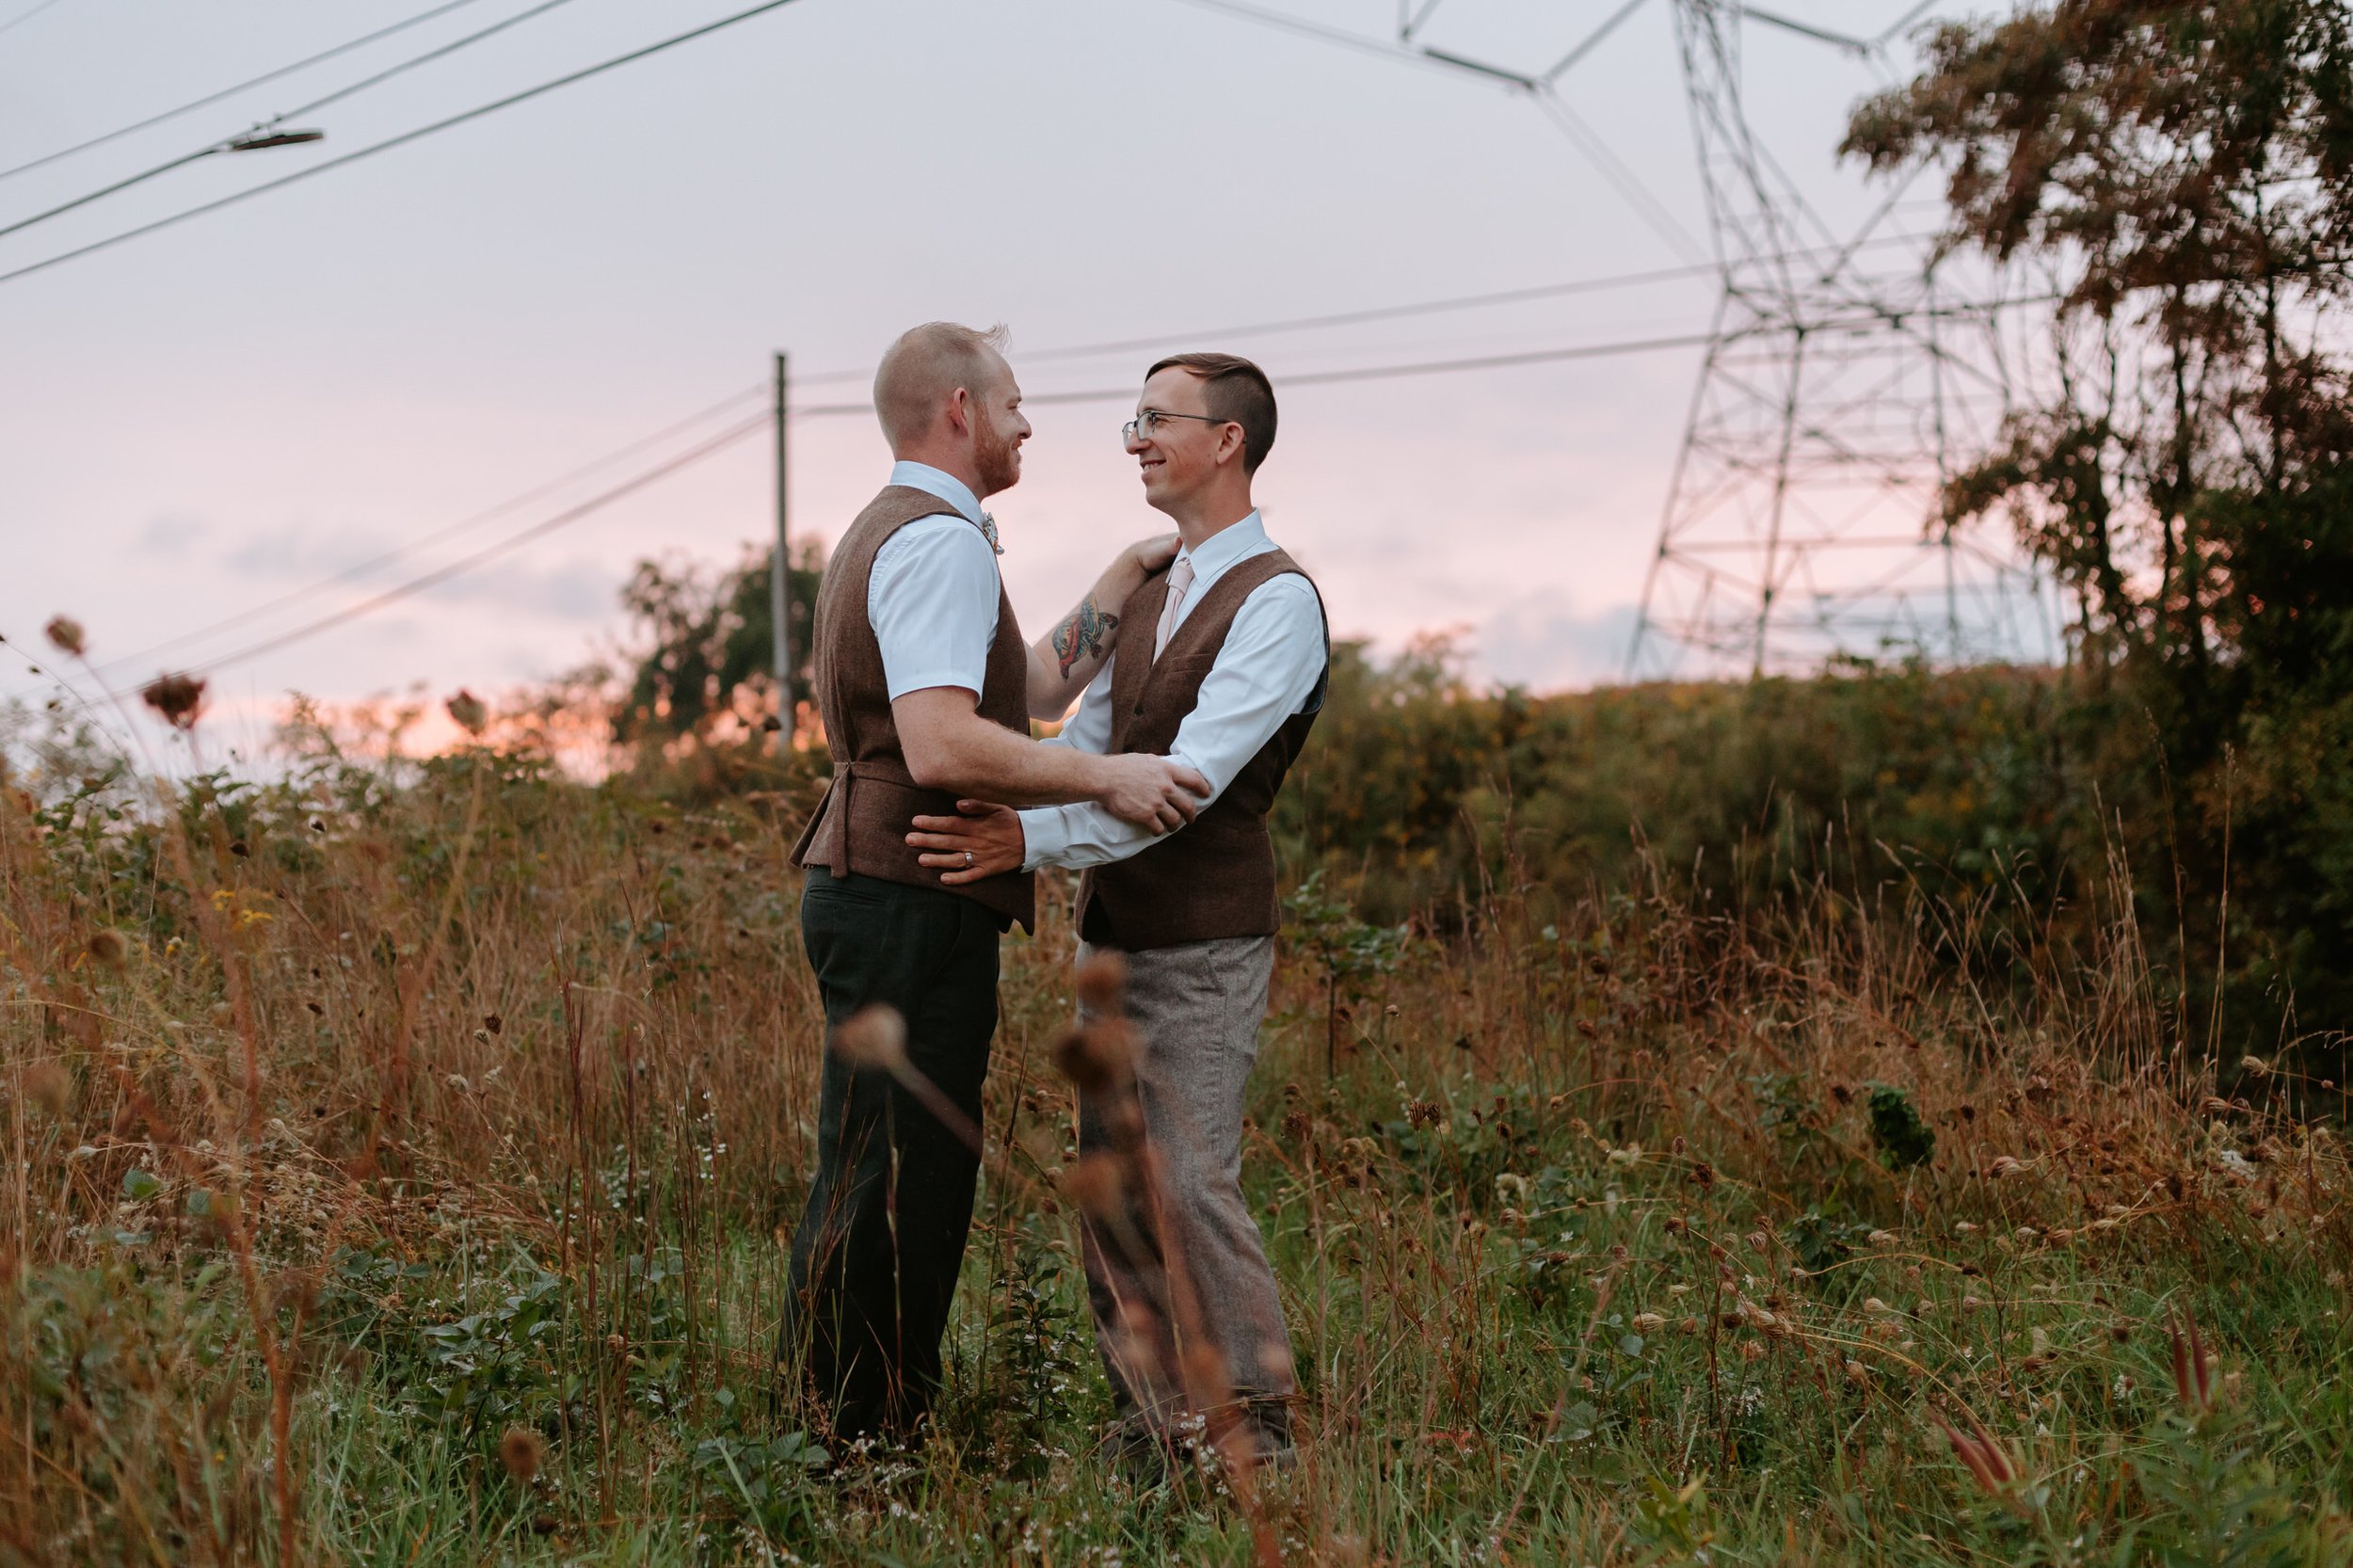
[108, 948]
[2254, 1067]
[66, 633]
[872, 1038]
[522, 1451]
[1094, 1185]
[1751, 1350]
[1098, 1056]
[467, 711]
[1648, 1323]
[1103, 984]
[48, 1085]
[1858, 1372]
[1882, 1237]
[180, 698]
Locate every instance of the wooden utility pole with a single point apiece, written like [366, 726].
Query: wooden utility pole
[781, 570]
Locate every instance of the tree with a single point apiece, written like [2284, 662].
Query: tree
[2183, 169]
[710, 650]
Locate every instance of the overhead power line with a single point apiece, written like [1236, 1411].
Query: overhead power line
[492, 551]
[235, 143]
[1367, 373]
[401, 141]
[358, 569]
[361, 569]
[23, 17]
[212, 98]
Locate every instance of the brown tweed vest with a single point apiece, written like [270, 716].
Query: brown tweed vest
[861, 825]
[1215, 877]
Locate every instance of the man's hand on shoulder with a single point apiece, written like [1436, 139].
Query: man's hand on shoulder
[985, 841]
[1155, 553]
[1158, 793]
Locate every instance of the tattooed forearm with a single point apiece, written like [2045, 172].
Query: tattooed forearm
[1084, 634]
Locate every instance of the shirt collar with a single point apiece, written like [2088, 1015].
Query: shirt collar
[947, 487]
[1226, 545]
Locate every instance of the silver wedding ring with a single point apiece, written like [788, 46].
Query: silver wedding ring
[968, 859]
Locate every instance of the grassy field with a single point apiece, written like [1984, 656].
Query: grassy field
[399, 1167]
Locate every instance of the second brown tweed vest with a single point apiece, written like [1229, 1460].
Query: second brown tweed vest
[861, 825]
[1215, 877]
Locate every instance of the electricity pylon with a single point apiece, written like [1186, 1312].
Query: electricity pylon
[1802, 522]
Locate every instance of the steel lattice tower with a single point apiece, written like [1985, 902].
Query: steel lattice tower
[1800, 522]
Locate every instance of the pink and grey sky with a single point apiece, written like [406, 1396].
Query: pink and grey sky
[214, 415]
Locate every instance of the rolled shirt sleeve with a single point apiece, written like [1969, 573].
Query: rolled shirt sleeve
[932, 600]
[1273, 655]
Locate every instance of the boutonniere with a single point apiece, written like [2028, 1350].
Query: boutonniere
[988, 532]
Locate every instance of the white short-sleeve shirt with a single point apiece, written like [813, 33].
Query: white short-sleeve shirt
[931, 596]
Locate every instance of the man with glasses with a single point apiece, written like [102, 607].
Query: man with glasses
[1229, 684]
[927, 690]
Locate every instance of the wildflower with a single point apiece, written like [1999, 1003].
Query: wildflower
[521, 1451]
[1098, 1056]
[467, 711]
[180, 698]
[48, 1085]
[1102, 983]
[66, 633]
[1094, 1185]
[874, 1036]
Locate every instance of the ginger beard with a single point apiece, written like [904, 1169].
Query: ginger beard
[995, 452]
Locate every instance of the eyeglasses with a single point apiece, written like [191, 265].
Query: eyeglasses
[1145, 424]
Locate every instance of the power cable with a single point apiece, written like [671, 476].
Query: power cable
[362, 568]
[401, 141]
[1571, 126]
[212, 98]
[236, 143]
[23, 17]
[492, 551]
[1345, 318]
[1367, 373]
[1397, 312]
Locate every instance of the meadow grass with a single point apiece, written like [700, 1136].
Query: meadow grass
[401, 1163]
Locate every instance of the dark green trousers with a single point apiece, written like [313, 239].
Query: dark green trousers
[876, 1258]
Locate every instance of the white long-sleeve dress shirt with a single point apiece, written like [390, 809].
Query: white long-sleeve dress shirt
[1272, 659]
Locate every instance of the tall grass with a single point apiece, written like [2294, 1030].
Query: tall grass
[400, 1165]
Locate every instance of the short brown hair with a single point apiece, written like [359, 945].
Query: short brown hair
[923, 369]
[1235, 390]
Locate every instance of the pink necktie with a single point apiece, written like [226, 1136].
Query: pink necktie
[1179, 581]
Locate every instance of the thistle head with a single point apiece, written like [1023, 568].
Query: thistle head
[1103, 984]
[468, 713]
[873, 1037]
[1098, 1057]
[180, 698]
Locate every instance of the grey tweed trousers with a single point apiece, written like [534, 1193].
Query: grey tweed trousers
[1190, 1267]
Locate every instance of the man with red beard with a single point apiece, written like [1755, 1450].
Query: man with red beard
[927, 689]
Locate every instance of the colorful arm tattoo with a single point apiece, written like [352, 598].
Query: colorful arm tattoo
[1084, 634]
